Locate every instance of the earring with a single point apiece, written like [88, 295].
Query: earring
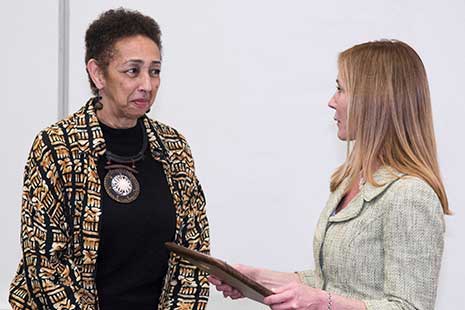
[97, 104]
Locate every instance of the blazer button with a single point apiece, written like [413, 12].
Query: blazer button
[173, 282]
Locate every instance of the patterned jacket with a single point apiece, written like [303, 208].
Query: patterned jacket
[385, 247]
[61, 210]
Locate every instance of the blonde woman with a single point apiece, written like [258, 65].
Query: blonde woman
[379, 240]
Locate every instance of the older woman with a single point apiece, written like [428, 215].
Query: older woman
[107, 186]
[379, 240]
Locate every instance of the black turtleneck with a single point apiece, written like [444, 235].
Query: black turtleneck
[132, 259]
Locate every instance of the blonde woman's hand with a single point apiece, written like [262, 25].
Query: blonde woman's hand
[297, 296]
[226, 289]
[268, 278]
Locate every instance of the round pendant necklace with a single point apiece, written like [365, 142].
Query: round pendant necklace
[120, 181]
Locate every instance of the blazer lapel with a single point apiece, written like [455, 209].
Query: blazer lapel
[321, 229]
[157, 148]
[384, 176]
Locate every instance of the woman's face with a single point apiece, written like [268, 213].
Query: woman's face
[131, 81]
[338, 102]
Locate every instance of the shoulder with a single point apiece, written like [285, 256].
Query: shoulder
[171, 137]
[55, 136]
[46, 139]
[67, 125]
[415, 189]
[175, 144]
[166, 130]
[413, 200]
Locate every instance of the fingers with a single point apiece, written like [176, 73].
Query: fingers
[229, 291]
[220, 286]
[284, 306]
[213, 280]
[294, 296]
[283, 297]
[234, 294]
[279, 298]
[226, 289]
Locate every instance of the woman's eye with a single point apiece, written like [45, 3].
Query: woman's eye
[339, 89]
[132, 71]
[154, 72]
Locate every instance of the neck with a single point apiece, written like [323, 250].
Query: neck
[113, 121]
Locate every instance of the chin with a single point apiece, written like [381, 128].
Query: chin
[140, 111]
[341, 137]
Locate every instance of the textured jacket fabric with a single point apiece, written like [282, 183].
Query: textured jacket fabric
[384, 248]
[61, 208]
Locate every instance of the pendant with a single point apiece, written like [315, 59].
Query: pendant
[121, 185]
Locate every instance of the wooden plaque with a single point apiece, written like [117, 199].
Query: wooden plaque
[221, 270]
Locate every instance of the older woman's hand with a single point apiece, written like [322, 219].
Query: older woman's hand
[297, 296]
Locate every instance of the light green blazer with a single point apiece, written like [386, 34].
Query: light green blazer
[384, 248]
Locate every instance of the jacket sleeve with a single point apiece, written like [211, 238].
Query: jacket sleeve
[46, 278]
[413, 246]
[307, 277]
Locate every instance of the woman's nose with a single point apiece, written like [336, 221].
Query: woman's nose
[332, 102]
[146, 83]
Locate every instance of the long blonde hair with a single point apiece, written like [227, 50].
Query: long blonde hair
[389, 115]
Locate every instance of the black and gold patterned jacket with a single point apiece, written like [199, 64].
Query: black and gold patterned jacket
[61, 210]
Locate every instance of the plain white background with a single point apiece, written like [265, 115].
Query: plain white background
[247, 82]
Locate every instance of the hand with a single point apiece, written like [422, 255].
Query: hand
[297, 296]
[267, 278]
[226, 289]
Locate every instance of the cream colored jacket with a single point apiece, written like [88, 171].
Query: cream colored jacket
[384, 248]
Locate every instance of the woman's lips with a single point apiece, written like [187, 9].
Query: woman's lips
[141, 102]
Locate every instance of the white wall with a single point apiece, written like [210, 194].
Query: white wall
[28, 85]
[247, 82]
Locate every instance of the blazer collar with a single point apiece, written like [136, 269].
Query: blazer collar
[384, 177]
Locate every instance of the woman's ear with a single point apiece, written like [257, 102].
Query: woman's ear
[96, 73]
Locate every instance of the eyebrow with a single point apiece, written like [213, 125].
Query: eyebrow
[139, 61]
[337, 81]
